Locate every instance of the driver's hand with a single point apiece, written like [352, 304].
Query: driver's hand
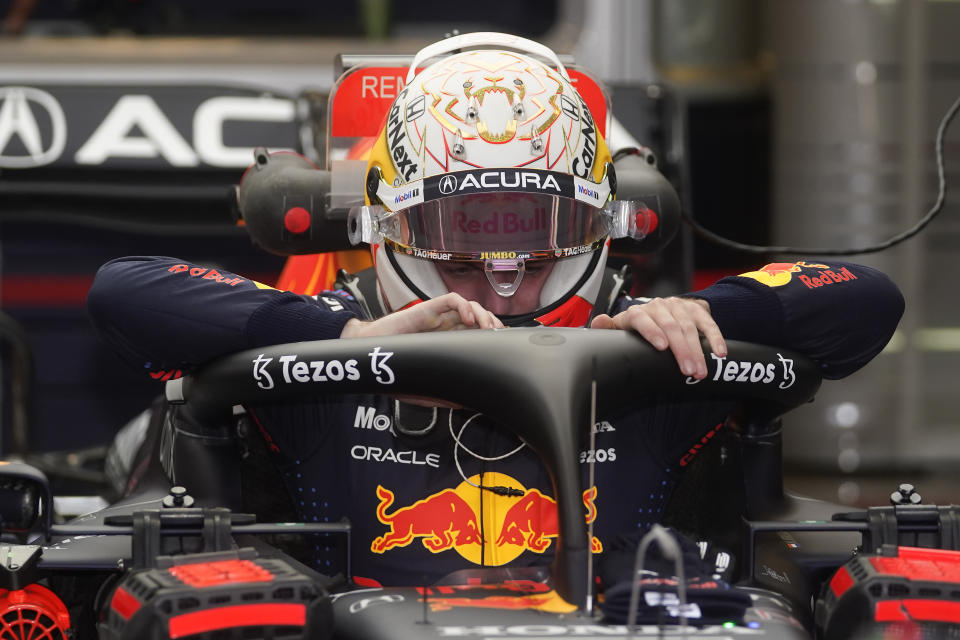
[449, 312]
[674, 323]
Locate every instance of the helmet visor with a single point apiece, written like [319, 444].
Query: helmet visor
[487, 226]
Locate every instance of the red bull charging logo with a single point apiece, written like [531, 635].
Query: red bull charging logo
[777, 274]
[451, 519]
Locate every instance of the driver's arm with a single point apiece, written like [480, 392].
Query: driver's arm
[166, 316]
[840, 314]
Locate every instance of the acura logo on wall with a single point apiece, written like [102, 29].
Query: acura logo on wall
[448, 184]
[22, 144]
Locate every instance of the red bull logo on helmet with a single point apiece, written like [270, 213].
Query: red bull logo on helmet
[451, 519]
[502, 223]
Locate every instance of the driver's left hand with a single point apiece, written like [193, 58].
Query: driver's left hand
[674, 323]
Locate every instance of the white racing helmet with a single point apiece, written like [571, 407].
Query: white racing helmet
[490, 157]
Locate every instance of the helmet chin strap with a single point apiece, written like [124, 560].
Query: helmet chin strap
[493, 267]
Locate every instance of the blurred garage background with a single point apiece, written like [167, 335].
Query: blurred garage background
[800, 122]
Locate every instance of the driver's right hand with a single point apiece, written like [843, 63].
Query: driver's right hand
[449, 312]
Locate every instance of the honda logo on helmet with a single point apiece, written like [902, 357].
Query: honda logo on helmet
[19, 108]
[448, 184]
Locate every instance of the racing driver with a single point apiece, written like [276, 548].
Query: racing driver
[487, 206]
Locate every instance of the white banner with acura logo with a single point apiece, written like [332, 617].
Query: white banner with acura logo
[552, 183]
[141, 127]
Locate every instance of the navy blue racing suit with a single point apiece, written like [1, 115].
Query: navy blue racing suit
[415, 516]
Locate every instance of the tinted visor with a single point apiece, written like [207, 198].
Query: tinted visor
[477, 225]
